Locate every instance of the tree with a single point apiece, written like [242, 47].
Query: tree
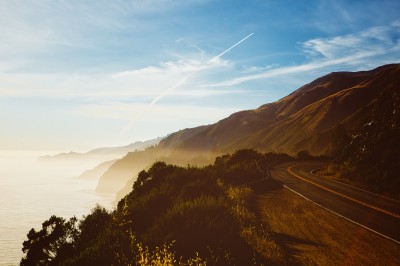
[92, 225]
[52, 243]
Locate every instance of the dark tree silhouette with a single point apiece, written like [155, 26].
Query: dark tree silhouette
[53, 242]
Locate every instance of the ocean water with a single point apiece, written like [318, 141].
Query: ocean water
[30, 192]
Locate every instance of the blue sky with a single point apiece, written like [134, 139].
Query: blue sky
[76, 75]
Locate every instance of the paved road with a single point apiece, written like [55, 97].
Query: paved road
[376, 212]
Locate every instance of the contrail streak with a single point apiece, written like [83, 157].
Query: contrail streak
[182, 81]
[176, 85]
[230, 48]
[159, 97]
[173, 87]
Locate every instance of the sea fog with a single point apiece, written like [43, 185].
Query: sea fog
[32, 191]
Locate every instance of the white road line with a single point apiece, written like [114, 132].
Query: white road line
[337, 214]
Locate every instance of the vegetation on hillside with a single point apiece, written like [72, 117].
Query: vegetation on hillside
[371, 156]
[173, 216]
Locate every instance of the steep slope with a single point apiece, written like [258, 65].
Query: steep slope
[371, 157]
[173, 140]
[307, 119]
[124, 169]
[297, 121]
[122, 173]
[98, 171]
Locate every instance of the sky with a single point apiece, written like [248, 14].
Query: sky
[77, 75]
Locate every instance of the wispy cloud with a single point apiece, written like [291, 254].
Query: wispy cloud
[144, 82]
[98, 58]
[299, 68]
[124, 111]
[210, 63]
[351, 49]
[175, 67]
[76, 30]
[372, 39]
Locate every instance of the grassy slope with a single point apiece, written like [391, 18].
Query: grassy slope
[330, 239]
[291, 124]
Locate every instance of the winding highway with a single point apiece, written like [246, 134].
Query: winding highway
[369, 210]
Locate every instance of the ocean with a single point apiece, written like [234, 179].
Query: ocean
[30, 192]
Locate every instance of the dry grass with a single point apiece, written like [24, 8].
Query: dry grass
[256, 234]
[313, 236]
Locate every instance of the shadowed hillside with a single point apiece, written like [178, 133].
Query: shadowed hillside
[370, 155]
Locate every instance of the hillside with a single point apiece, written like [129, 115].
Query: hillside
[125, 169]
[172, 216]
[228, 213]
[119, 177]
[298, 121]
[370, 156]
[306, 119]
[98, 171]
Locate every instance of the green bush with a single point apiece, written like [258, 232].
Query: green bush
[198, 210]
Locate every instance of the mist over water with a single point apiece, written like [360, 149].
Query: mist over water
[30, 192]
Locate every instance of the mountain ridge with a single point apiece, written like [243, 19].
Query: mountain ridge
[268, 115]
[303, 120]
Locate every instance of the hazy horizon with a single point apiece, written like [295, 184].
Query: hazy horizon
[31, 192]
